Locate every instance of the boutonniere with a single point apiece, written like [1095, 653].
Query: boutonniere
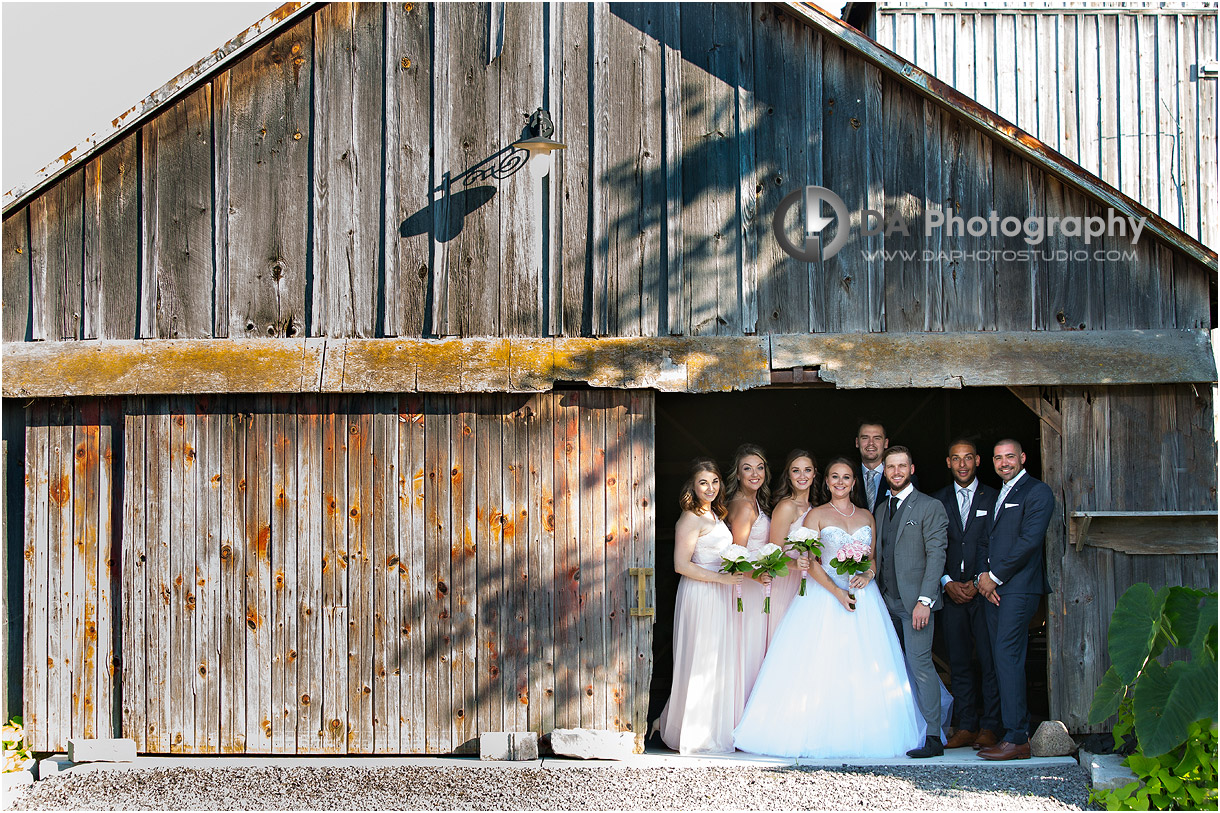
[912, 522]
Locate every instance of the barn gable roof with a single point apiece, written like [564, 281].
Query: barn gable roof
[896, 67]
[172, 90]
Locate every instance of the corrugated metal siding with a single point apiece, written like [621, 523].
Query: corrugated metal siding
[1119, 91]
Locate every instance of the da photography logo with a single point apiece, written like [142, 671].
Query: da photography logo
[815, 223]
[1033, 231]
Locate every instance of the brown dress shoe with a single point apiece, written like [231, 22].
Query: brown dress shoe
[985, 739]
[1006, 750]
[961, 738]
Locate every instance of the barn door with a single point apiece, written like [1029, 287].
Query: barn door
[384, 573]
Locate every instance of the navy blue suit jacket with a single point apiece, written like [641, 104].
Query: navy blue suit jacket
[1015, 547]
[965, 543]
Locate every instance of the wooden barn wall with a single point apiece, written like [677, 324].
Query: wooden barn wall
[71, 581]
[352, 177]
[1117, 91]
[1147, 448]
[366, 574]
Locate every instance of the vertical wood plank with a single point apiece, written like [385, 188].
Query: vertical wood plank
[177, 216]
[266, 141]
[232, 661]
[36, 650]
[258, 543]
[285, 577]
[359, 578]
[521, 79]
[57, 259]
[87, 518]
[462, 714]
[543, 620]
[1013, 304]
[1170, 166]
[644, 551]
[412, 573]
[384, 563]
[472, 230]
[673, 246]
[210, 607]
[135, 561]
[347, 147]
[112, 243]
[567, 560]
[437, 533]
[490, 531]
[59, 568]
[904, 161]
[159, 596]
[1208, 36]
[593, 678]
[15, 247]
[222, 173]
[619, 557]
[408, 229]
[514, 415]
[334, 578]
[311, 508]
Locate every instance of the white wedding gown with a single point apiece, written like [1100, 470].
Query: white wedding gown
[834, 683]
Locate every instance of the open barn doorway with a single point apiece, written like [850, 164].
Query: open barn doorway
[824, 421]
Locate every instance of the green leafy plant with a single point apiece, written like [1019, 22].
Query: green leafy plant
[15, 752]
[1171, 710]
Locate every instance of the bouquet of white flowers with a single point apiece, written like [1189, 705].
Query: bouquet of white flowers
[737, 563]
[804, 540]
[771, 560]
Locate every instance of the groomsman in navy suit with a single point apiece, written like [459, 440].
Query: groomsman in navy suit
[963, 619]
[1014, 582]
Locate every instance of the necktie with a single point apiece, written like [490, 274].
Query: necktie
[893, 506]
[964, 498]
[999, 503]
[870, 486]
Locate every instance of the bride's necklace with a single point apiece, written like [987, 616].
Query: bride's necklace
[852, 514]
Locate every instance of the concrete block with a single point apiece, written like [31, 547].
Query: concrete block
[12, 781]
[508, 745]
[587, 743]
[53, 765]
[1106, 771]
[83, 750]
[1052, 740]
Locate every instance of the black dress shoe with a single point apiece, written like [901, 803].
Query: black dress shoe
[932, 747]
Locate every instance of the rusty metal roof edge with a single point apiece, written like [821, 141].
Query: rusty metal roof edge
[170, 91]
[1003, 130]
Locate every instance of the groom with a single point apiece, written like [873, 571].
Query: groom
[913, 533]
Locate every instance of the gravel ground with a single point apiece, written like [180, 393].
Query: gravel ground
[411, 788]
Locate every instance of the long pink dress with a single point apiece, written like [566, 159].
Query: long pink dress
[785, 588]
[754, 623]
[707, 696]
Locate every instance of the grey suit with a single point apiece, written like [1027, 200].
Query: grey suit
[910, 560]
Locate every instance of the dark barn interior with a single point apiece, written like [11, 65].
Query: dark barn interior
[824, 421]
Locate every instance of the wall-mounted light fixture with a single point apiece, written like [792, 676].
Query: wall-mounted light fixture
[540, 144]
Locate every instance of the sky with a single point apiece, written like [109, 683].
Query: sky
[69, 68]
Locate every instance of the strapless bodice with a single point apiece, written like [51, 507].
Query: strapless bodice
[832, 539]
[710, 548]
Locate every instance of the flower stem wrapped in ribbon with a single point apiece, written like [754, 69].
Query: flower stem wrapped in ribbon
[804, 540]
[771, 560]
[737, 563]
[851, 560]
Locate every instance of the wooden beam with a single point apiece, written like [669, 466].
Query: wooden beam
[666, 364]
[1161, 533]
[1032, 398]
[1011, 359]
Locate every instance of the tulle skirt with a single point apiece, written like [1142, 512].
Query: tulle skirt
[707, 695]
[834, 684]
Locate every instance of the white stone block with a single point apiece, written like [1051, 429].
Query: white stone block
[11, 781]
[587, 743]
[1052, 740]
[83, 750]
[508, 745]
[1106, 771]
[53, 766]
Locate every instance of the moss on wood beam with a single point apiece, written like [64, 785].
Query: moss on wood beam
[667, 364]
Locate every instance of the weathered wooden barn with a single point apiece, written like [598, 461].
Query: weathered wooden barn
[333, 426]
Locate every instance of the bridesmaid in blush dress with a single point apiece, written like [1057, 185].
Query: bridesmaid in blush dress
[707, 696]
[794, 498]
[749, 499]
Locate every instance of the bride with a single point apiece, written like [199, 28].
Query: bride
[834, 683]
